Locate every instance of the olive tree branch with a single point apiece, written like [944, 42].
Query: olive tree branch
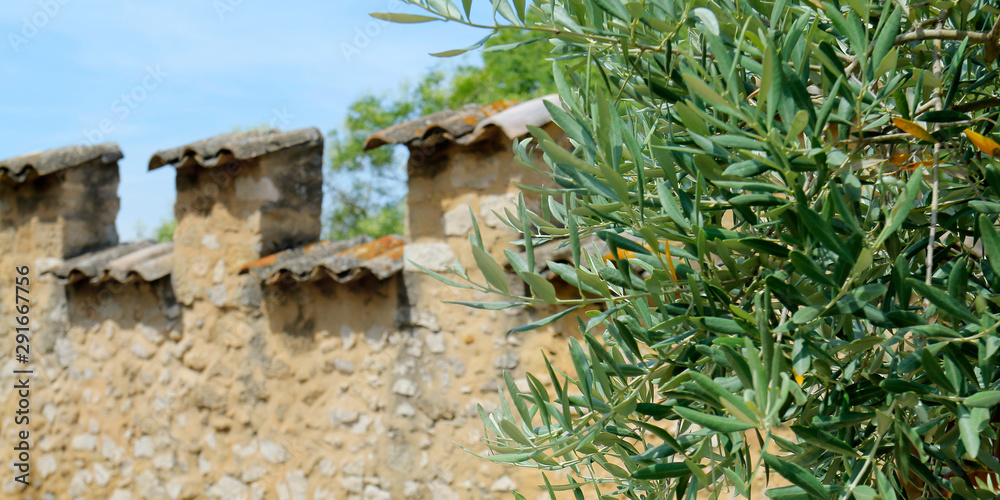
[975, 37]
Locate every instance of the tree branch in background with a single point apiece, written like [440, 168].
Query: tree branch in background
[942, 34]
[993, 42]
[989, 102]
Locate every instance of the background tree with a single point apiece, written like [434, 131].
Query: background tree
[366, 188]
[801, 199]
[165, 231]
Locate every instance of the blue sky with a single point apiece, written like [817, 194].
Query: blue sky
[191, 69]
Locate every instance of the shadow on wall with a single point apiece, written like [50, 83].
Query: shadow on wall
[366, 306]
[133, 305]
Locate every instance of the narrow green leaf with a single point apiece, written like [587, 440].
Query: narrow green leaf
[541, 286]
[958, 279]
[475, 237]
[691, 118]
[662, 471]
[720, 325]
[510, 430]
[886, 38]
[441, 278]
[766, 246]
[489, 306]
[519, 8]
[884, 487]
[701, 89]
[516, 398]
[492, 271]
[456, 52]
[487, 420]
[943, 301]
[671, 206]
[510, 458]
[505, 10]
[991, 241]
[968, 430]
[985, 207]
[824, 112]
[622, 243]
[862, 492]
[578, 278]
[397, 17]
[582, 366]
[445, 7]
[572, 225]
[576, 130]
[517, 261]
[985, 399]
[943, 116]
[869, 292]
[615, 8]
[757, 200]
[797, 475]
[820, 228]
[746, 169]
[714, 422]
[902, 209]
[542, 322]
[708, 19]
[809, 268]
[824, 440]
[851, 28]
[737, 481]
[742, 411]
[900, 386]
[841, 421]
[934, 371]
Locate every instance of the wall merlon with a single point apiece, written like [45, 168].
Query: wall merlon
[241, 196]
[54, 205]
[62, 202]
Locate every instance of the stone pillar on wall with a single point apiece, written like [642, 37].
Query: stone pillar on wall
[239, 197]
[54, 205]
[461, 165]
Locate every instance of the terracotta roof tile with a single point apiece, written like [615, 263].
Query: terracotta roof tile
[226, 148]
[144, 260]
[18, 169]
[343, 261]
[467, 125]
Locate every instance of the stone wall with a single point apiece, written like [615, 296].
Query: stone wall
[210, 383]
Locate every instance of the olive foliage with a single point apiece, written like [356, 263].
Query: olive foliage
[800, 202]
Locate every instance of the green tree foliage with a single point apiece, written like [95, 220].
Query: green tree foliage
[367, 187]
[801, 198]
[165, 231]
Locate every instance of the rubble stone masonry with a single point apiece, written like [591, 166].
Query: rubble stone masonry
[212, 383]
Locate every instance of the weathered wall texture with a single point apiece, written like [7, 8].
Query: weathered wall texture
[239, 211]
[443, 188]
[47, 218]
[213, 383]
